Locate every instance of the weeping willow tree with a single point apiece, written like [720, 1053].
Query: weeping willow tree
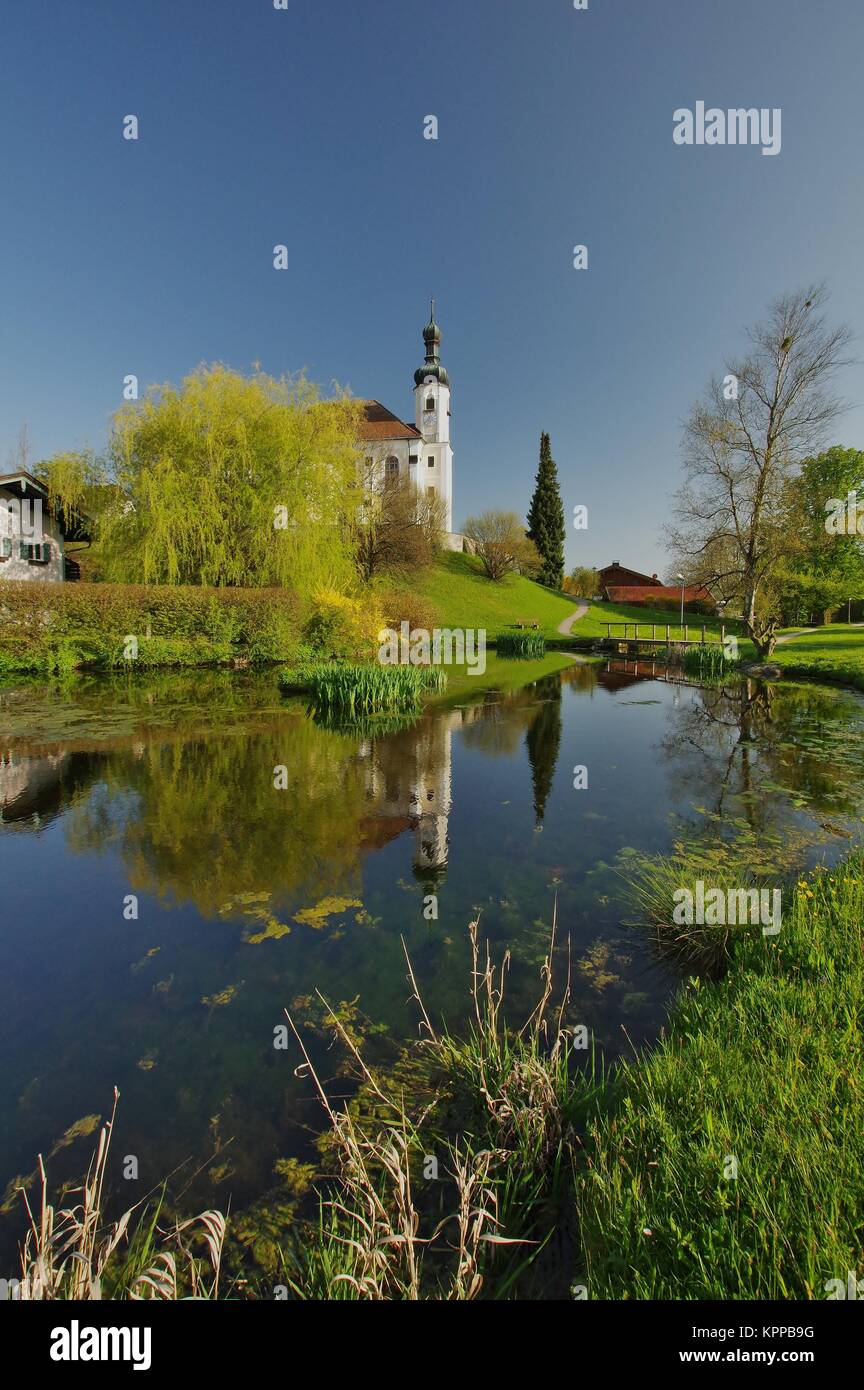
[224, 480]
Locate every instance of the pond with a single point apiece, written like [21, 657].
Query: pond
[167, 894]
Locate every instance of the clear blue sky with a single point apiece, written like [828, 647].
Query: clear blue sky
[260, 126]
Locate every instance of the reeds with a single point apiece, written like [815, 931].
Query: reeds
[349, 691]
[709, 661]
[524, 646]
[502, 1109]
[76, 1253]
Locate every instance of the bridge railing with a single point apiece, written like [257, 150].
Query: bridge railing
[669, 632]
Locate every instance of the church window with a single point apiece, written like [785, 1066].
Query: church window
[430, 402]
[431, 460]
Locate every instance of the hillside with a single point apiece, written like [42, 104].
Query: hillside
[464, 597]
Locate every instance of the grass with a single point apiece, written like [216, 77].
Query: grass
[830, 653]
[760, 1075]
[463, 597]
[501, 1109]
[599, 614]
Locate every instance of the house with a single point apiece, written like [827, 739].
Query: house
[33, 535]
[621, 585]
[617, 574]
[422, 452]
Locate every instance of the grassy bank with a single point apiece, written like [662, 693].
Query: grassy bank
[724, 1163]
[760, 1074]
[829, 653]
[464, 597]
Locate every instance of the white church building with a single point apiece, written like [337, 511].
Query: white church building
[421, 452]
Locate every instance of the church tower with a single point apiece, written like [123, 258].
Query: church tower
[432, 415]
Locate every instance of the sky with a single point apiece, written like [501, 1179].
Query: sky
[304, 126]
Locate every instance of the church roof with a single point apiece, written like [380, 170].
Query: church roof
[381, 423]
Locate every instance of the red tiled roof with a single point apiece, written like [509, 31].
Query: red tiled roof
[625, 569]
[636, 593]
[381, 423]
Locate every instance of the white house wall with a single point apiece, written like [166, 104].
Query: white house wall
[15, 567]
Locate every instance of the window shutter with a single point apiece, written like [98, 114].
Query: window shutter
[7, 548]
[46, 552]
[24, 550]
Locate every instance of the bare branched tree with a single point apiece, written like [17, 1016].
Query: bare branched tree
[398, 527]
[502, 544]
[742, 442]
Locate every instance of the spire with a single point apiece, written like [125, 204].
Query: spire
[432, 340]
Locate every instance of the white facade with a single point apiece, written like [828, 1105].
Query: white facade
[421, 452]
[31, 538]
[435, 463]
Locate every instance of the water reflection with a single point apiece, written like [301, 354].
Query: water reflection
[251, 898]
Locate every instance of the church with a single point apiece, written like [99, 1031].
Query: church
[420, 452]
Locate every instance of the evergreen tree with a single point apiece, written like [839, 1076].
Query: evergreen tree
[544, 742]
[546, 518]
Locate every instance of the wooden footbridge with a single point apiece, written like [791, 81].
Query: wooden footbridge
[634, 639]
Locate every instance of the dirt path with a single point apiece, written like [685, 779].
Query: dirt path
[564, 628]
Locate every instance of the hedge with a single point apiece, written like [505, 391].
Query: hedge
[47, 627]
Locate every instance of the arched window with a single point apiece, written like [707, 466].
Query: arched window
[392, 469]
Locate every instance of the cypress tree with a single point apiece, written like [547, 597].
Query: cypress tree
[546, 518]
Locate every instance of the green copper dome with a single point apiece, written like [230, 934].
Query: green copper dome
[432, 366]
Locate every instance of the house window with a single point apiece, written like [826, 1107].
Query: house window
[431, 460]
[392, 467]
[6, 548]
[37, 554]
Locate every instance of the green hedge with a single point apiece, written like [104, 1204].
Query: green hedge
[48, 627]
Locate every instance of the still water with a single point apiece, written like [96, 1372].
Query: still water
[163, 902]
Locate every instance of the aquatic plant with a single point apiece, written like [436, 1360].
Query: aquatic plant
[524, 646]
[502, 1109]
[710, 661]
[352, 691]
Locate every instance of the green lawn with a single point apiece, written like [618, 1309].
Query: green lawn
[834, 652]
[599, 614]
[465, 598]
[728, 1161]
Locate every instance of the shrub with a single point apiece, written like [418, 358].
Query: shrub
[342, 626]
[401, 605]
